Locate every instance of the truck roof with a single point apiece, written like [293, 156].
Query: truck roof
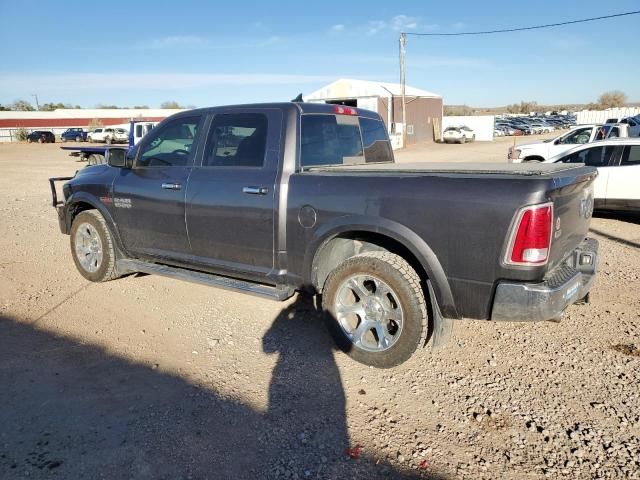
[302, 107]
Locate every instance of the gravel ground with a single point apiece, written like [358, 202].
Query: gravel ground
[147, 377]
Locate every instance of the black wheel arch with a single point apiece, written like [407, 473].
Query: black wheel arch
[349, 239]
[82, 201]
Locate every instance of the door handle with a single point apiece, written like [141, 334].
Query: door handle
[171, 186]
[255, 190]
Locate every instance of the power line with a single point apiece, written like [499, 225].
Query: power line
[519, 29]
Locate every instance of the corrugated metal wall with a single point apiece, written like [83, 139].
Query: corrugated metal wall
[600, 116]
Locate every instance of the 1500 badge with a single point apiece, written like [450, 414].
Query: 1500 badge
[120, 202]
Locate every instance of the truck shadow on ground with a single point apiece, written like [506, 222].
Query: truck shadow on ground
[75, 410]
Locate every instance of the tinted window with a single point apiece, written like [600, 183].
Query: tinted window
[330, 140]
[593, 157]
[237, 139]
[375, 140]
[631, 155]
[171, 145]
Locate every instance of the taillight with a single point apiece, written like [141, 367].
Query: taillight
[341, 110]
[531, 238]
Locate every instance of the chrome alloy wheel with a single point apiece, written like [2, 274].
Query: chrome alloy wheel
[369, 312]
[88, 247]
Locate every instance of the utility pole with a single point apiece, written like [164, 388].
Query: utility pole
[403, 40]
[36, 97]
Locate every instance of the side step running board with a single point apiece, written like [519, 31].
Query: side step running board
[275, 293]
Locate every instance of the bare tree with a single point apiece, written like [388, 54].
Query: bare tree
[611, 99]
[22, 106]
[172, 104]
[453, 110]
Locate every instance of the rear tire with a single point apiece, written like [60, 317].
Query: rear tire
[382, 320]
[92, 247]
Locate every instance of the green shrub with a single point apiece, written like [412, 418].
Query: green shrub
[21, 135]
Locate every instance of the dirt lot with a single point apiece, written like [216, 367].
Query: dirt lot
[147, 377]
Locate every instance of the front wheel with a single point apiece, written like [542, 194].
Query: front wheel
[375, 309]
[92, 247]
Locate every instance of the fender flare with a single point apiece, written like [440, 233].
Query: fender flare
[395, 231]
[92, 200]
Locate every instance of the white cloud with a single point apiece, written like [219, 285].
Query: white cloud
[458, 25]
[194, 41]
[418, 61]
[375, 26]
[397, 23]
[402, 23]
[147, 81]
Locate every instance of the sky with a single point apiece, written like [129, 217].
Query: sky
[206, 53]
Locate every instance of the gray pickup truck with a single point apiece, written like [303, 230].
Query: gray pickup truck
[276, 198]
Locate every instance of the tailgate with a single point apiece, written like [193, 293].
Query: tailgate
[572, 197]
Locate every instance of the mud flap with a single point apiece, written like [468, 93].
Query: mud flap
[442, 327]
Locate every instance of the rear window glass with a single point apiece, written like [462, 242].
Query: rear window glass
[330, 140]
[376, 143]
[631, 155]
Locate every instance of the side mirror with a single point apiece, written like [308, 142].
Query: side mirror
[117, 157]
[132, 152]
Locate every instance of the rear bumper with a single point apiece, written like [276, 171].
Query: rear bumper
[563, 286]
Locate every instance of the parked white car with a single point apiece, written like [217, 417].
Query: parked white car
[108, 135]
[459, 134]
[542, 128]
[541, 151]
[618, 164]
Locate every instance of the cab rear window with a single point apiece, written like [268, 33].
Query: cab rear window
[342, 140]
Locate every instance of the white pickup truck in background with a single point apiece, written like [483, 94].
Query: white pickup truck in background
[542, 151]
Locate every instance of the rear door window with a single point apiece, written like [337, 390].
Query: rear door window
[375, 140]
[592, 157]
[631, 156]
[236, 140]
[330, 140]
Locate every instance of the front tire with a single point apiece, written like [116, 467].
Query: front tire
[92, 247]
[375, 309]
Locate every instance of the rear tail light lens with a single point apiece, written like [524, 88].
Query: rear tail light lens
[531, 238]
[342, 110]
